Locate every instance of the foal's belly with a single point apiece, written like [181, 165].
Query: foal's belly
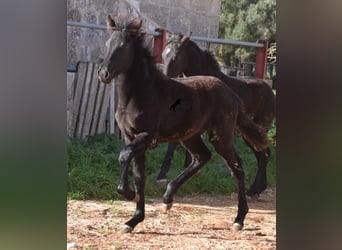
[182, 126]
[179, 136]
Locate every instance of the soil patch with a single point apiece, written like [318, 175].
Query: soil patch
[194, 222]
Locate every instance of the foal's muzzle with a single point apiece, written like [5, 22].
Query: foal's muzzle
[104, 75]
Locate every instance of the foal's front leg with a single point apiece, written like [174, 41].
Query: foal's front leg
[136, 149]
[139, 180]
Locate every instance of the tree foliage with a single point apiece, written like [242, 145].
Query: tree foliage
[245, 20]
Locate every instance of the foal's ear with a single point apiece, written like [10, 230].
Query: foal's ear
[183, 41]
[134, 24]
[110, 24]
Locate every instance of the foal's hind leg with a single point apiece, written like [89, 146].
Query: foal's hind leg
[187, 159]
[200, 154]
[223, 143]
[260, 181]
[165, 167]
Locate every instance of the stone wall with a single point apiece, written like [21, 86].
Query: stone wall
[198, 16]
[201, 17]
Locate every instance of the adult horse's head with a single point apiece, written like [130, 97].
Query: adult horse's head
[120, 48]
[175, 59]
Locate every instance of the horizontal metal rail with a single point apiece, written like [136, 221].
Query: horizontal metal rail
[101, 27]
[225, 41]
[156, 33]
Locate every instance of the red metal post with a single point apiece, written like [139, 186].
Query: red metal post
[159, 44]
[261, 59]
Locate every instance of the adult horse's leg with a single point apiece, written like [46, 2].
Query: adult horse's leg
[139, 180]
[223, 143]
[136, 149]
[165, 167]
[200, 154]
[260, 181]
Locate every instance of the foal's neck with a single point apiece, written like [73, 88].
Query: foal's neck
[200, 64]
[136, 85]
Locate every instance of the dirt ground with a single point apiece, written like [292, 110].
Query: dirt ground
[194, 222]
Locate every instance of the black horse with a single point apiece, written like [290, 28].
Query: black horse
[143, 115]
[183, 56]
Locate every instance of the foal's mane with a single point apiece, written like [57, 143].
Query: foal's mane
[174, 39]
[148, 59]
[209, 55]
[144, 52]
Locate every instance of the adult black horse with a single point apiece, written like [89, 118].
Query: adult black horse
[183, 56]
[145, 96]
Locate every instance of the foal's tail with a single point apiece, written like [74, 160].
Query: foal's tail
[250, 131]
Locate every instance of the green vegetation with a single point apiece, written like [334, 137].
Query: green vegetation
[245, 20]
[93, 169]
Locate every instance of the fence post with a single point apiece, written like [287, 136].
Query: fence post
[261, 59]
[159, 44]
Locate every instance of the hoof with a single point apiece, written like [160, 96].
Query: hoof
[126, 229]
[168, 206]
[136, 198]
[161, 183]
[237, 227]
[198, 173]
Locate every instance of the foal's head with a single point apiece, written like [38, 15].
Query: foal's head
[174, 56]
[120, 48]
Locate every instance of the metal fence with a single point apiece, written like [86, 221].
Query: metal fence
[91, 105]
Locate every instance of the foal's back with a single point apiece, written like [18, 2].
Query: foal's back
[204, 102]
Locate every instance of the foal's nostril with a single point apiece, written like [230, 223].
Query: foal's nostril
[103, 73]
